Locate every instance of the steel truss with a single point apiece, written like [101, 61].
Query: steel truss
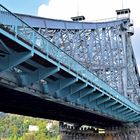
[103, 48]
[30, 61]
[105, 51]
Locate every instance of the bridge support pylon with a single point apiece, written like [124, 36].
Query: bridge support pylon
[126, 132]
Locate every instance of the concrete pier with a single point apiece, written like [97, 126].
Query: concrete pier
[127, 132]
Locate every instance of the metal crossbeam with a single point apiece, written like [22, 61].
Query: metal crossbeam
[37, 75]
[122, 110]
[126, 112]
[70, 90]
[109, 104]
[117, 106]
[14, 59]
[4, 47]
[57, 86]
[134, 117]
[130, 114]
[87, 92]
[95, 96]
[84, 95]
[102, 100]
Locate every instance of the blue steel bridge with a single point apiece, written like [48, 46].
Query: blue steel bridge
[79, 72]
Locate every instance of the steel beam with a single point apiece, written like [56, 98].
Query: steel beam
[74, 95]
[84, 95]
[95, 96]
[39, 74]
[126, 112]
[4, 47]
[134, 117]
[117, 106]
[87, 92]
[80, 96]
[14, 59]
[70, 90]
[122, 110]
[56, 86]
[130, 114]
[110, 103]
[102, 100]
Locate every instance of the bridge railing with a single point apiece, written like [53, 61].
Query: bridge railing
[30, 36]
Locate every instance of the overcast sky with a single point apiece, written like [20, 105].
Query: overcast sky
[91, 9]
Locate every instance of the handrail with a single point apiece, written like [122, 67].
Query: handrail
[51, 49]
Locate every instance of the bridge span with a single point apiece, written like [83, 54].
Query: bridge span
[79, 72]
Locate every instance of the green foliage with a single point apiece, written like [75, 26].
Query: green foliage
[15, 127]
[30, 136]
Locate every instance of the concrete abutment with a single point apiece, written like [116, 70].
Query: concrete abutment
[126, 132]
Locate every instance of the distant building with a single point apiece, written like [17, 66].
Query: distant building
[49, 125]
[33, 128]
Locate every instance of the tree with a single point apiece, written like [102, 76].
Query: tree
[29, 136]
[41, 136]
[15, 127]
[14, 130]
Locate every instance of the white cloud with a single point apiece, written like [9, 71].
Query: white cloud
[58, 9]
[42, 10]
[91, 9]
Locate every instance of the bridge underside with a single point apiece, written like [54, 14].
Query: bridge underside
[13, 101]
